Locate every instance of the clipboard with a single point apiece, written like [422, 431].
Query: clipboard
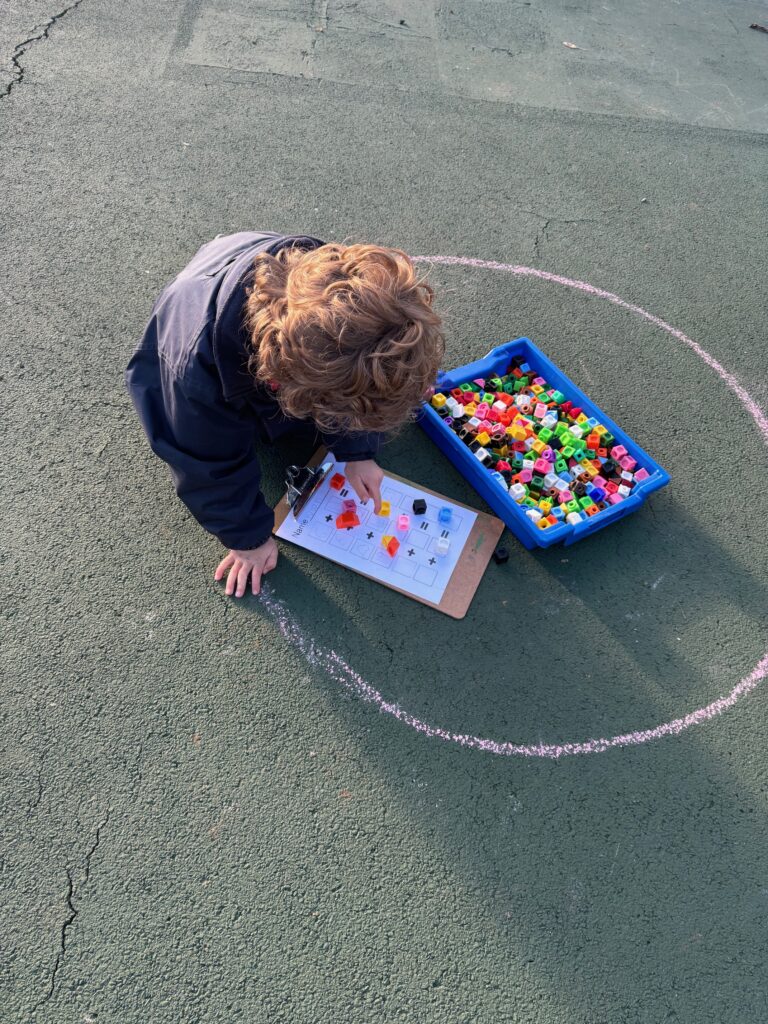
[469, 568]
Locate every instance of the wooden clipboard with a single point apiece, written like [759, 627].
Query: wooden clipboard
[469, 570]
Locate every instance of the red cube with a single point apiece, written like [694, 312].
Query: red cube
[336, 482]
[346, 521]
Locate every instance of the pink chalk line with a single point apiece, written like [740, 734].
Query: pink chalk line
[334, 665]
[744, 397]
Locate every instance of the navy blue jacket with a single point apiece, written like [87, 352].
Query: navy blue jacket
[202, 411]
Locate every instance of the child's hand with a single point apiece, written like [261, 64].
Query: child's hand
[365, 478]
[241, 564]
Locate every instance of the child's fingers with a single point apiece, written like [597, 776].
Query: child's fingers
[242, 578]
[375, 493]
[255, 580]
[232, 578]
[361, 491]
[223, 565]
[270, 563]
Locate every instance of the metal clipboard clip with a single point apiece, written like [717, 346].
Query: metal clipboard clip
[302, 482]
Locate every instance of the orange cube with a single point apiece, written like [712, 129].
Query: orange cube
[346, 521]
[336, 481]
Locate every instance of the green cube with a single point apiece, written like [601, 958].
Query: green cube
[572, 505]
[545, 434]
[585, 502]
[558, 396]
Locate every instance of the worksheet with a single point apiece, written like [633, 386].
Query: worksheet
[417, 568]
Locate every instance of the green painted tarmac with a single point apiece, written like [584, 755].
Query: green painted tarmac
[198, 824]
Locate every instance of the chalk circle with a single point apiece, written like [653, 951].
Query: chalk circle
[335, 666]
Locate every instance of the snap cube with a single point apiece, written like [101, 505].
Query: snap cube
[349, 505]
[500, 555]
[444, 516]
[346, 521]
[385, 509]
[336, 482]
[419, 506]
[442, 545]
[403, 522]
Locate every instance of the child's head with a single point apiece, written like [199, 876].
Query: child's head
[347, 332]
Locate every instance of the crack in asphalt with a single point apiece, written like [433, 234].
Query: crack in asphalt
[21, 48]
[72, 912]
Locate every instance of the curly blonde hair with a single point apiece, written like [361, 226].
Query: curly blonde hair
[347, 332]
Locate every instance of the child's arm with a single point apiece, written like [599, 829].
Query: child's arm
[210, 451]
[363, 473]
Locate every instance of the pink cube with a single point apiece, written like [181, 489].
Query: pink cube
[618, 451]
[541, 466]
[628, 463]
[349, 505]
[540, 411]
[403, 522]
[614, 499]
[599, 481]
[525, 476]
[642, 474]
[566, 496]
[482, 410]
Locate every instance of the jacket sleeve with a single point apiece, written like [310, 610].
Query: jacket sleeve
[353, 447]
[210, 451]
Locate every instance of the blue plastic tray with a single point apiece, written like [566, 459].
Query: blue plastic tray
[496, 362]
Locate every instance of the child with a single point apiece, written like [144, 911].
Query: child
[264, 334]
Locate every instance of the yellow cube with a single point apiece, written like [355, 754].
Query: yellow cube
[470, 409]
[600, 430]
[438, 400]
[545, 506]
[483, 438]
[385, 509]
[581, 418]
[536, 389]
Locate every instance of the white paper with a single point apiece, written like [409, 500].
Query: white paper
[416, 568]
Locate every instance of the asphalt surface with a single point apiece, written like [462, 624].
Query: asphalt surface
[200, 823]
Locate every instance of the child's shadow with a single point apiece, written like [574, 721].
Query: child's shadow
[615, 631]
